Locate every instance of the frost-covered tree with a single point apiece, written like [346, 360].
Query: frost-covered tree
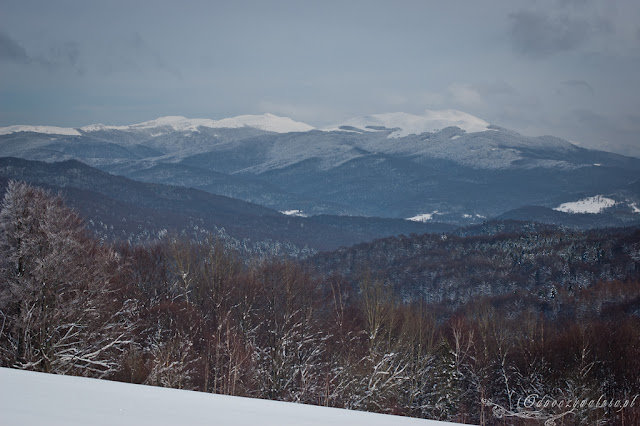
[62, 306]
[282, 327]
[381, 372]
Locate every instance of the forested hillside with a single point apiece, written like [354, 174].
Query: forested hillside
[120, 209]
[494, 259]
[193, 315]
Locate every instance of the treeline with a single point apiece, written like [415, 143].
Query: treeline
[194, 315]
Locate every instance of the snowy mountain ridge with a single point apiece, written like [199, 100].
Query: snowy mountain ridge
[410, 124]
[162, 125]
[47, 130]
[404, 123]
[266, 122]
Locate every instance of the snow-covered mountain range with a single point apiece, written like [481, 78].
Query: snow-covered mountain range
[266, 122]
[405, 124]
[442, 165]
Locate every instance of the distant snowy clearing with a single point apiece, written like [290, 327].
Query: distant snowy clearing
[298, 213]
[28, 398]
[588, 205]
[424, 218]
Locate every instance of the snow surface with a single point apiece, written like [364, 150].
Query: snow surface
[406, 124]
[163, 125]
[588, 205]
[298, 213]
[29, 398]
[266, 122]
[409, 124]
[634, 207]
[425, 217]
[462, 138]
[49, 130]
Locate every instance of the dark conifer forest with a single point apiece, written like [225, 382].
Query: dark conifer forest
[466, 326]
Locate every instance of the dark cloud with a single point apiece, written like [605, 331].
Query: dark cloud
[65, 55]
[11, 51]
[537, 34]
[578, 84]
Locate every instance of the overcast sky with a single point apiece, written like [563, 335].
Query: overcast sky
[569, 68]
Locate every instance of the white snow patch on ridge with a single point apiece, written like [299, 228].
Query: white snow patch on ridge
[588, 205]
[49, 130]
[29, 398]
[409, 124]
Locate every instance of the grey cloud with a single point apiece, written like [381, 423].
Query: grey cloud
[578, 84]
[609, 132]
[536, 34]
[634, 120]
[146, 53]
[587, 116]
[575, 3]
[11, 51]
[65, 55]
[496, 88]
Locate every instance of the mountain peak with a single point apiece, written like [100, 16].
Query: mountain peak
[408, 124]
[267, 122]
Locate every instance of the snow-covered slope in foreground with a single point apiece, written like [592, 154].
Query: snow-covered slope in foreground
[28, 398]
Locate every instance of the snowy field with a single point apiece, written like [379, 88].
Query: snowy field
[592, 205]
[28, 398]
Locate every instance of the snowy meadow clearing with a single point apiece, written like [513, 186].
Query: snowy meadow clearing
[30, 398]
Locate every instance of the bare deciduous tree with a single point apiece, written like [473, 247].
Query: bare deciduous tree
[64, 309]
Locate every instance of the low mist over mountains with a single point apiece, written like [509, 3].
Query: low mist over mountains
[443, 166]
